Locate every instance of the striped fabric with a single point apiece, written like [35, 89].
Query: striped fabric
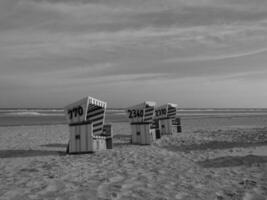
[149, 113]
[171, 111]
[96, 114]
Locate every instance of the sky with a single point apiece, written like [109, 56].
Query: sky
[195, 53]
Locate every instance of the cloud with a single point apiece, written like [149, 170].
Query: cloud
[252, 76]
[177, 52]
[62, 44]
[219, 57]
[110, 16]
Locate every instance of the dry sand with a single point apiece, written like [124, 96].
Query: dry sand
[222, 164]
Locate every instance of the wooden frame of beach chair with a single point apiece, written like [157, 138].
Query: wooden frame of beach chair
[86, 124]
[166, 121]
[141, 118]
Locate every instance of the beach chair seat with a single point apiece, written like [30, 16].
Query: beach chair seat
[176, 125]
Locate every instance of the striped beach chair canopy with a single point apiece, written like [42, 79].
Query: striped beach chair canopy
[143, 112]
[88, 109]
[96, 114]
[166, 111]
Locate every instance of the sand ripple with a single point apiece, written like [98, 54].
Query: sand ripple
[34, 165]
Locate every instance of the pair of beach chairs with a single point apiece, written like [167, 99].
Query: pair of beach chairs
[149, 122]
[88, 133]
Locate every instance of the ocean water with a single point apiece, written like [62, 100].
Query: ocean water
[192, 118]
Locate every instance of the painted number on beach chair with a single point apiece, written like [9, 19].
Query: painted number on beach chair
[135, 113]
[161, 112]
[76, 111]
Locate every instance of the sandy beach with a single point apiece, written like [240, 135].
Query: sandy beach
[71, 68]
[201, 164]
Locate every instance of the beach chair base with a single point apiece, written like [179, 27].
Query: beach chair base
[82, 140]
[168, 127]
[165, 127]
[142, 133]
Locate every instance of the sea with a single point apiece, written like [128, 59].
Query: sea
[191, 118]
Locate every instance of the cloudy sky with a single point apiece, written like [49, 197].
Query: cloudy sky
[196, 53]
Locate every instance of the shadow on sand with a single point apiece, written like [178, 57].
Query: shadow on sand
[28, 153]
[233, 161]
[54, 145]
[214, 145]
[116, 143]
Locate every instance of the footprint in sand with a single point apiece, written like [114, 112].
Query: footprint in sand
[253, 196]
[181, 195]
[52, 187]
[109, 189]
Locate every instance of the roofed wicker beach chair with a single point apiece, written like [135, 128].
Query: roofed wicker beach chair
[166, 121]
[141, 118]
[86, 124]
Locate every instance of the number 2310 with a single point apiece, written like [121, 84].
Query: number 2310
[161, 112]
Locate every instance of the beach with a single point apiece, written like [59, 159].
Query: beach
[216, 157]
[133, 100]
